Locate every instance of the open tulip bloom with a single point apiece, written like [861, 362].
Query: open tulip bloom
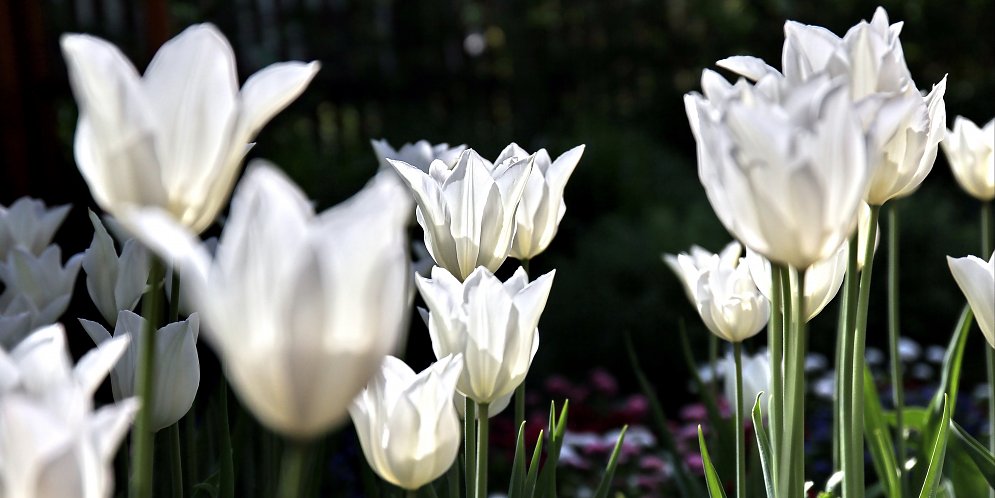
[174, 137]
[468, 211]
[406, 422]
[542, 207]
[302, 308]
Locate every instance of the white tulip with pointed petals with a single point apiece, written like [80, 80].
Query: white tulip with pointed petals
[173, 138]
[302, 308]
[41, 286]
[177, 366]
[406, 422]
[29, 225]
[971, 153]
[976, 279]
[784, 166]
[542, 207]
[468, 211]
[52, 442]
[115, 283]
[419, 154]
[493, 324]
[688, 266]
[729, 302]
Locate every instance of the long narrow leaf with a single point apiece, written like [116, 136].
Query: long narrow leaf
[533, 475]
[606, 478]
[980, 455]
[724, 431]
[712, 480]
[879, 440]
[557, 427]
[935, 470]
[763, 445]
[517, 484]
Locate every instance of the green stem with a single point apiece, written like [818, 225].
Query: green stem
[227, 484]
[713, 361]
[174, 303]
[990, 357]
[452, 480]
[855, 475]
[987, 242]
[897, 384]
[520, 390]
[793, 445]
[291, 469]
[843, 398]
[470, 446]
[987, 229]
[176, 462]
[411, 493]
[142, 435]
[775, 338]
[737, 353]
[482, 442]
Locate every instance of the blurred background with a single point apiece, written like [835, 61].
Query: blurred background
[545, 73]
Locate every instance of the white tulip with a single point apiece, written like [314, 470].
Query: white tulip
[822, 280]
[177, 367]
[406, 422]
[493, 324]
[115, 283]
[729, 302]
[971, 153]
[784, 166]
[690, 265]
[468, 212]
[39, 285]
[28, 224]
[302, 308]
[976, 279]
[542, 207]
[52, 442]
[496, 407]
[173, 138]
[756, 378]
[419, 154]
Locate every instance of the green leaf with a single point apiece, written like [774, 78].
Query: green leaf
[517, 485]
[532, 477]
[686, 485]
[557, 427]
[935, 470]
[763, 445]
[879, 441]
[983, 461]
[606, 478]
[712, 480]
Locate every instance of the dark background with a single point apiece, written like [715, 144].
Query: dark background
[552, 74]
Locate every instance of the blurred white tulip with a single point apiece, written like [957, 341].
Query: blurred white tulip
[976, 279]
[114, 282]
[38, 285]
[822, 280]
[971, 153]
[173, 138]
[756, 378]
[28, 224]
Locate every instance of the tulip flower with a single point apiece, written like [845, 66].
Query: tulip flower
[468, 212]
[406, 422]
[822, 280]
[28, 224]
[177, 367]
[971, 153]
[419, 154]
[115, 283]
[976, 279]
[493, 324]
[542, 207]
[690, 265]
[174, 137]
[302, 308]
[39, 285]
[784, 166]
[496, 407]
[756, 378]
[904, 127]
[729, 302]
[52, 442]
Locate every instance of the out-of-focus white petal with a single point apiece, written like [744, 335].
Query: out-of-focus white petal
[976, 279]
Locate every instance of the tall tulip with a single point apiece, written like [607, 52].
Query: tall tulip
[784, 166]
[971, 153]
[173, 138]
[177, 366]
[406, 422]
[468, 211]
[302, 308]
[52, 441]
[493, 324]
[976, 279]
[542, 207]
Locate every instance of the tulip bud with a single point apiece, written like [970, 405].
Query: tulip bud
[542, 207]
[971, 153]
[114, 282]
[976, 279]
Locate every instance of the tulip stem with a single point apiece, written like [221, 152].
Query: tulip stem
[792, 454]
[897, 384]
[843, 397]
[520, 390]
[482, 443]
[227, 484]
[775, 338]
[452, 480]
[854, 477]
[987, 236]
[142, 435]
[176, 463]
[737, 354]
[411, 493]
[470, 446]
[292, 469]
